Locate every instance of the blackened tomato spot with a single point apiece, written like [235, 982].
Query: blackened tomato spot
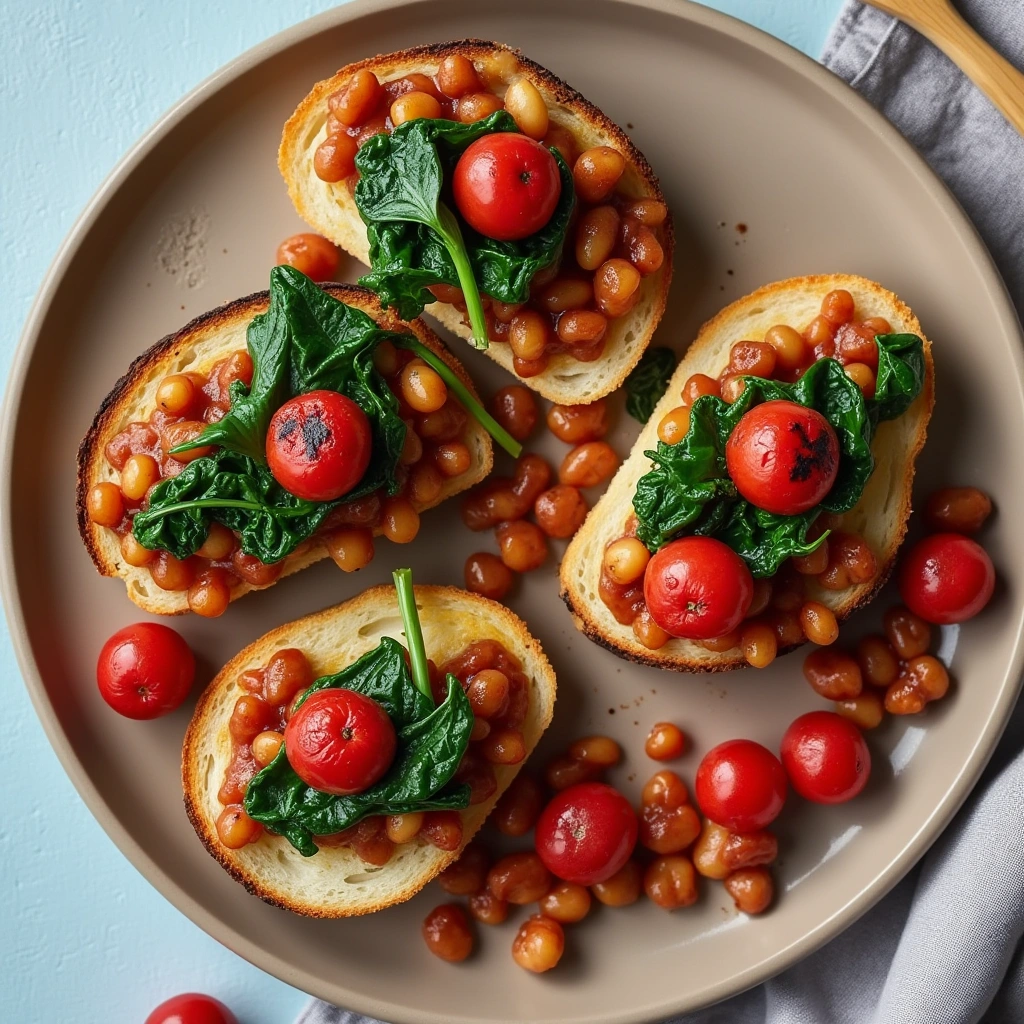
[287, 428]
[315, 434]
[812, 457]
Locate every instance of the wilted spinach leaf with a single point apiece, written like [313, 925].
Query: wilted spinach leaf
[647, 382]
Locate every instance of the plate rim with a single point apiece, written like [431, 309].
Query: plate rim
[930, 828]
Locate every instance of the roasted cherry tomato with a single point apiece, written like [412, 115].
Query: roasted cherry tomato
[315, 256]
[741, 786]
[339, 741]
[506, 186]
[145, 671]
[946, 578]
[826, 758]
[697, 588]
[586, 833]
[192, 1008]
[783, 457]
[319, 445]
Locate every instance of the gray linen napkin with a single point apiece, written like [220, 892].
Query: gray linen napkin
[944, 946]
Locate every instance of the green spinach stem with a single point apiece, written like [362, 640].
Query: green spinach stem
[413, 631]
[252, 506]
[464, 395]
[451, 234]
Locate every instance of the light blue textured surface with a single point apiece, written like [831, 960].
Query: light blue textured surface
[86, 939]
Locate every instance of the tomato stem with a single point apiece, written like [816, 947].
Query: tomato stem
[413, 631]
[451, 234]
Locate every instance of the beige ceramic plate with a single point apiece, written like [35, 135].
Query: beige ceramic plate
[742, 130]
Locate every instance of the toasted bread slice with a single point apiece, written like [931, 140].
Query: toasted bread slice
[331, 210]
[335, 882]
[196, 347]
[880, 516]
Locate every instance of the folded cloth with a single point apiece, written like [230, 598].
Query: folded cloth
[944, 946]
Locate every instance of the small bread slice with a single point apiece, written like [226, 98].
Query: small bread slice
[335, 882]
[331, 210]
[196, 347]
[880, 516]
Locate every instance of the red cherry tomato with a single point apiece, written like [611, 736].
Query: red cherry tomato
[826, 758]
[192, 1008]
[698, 588]
[339, 741]
[741, 786]
[145, 671]
[783, 457]
[506, 186]
[947, 578]
[312, 255]
[319, 445]
[586, 833]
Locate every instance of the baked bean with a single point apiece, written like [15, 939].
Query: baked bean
[487, 575]
[519, 806]
[450, 294]
[863, 376]
[357, 99]
[136, 437]
[210, 593]
[697, 385]
[596, 172]
[403, 828]
[253, 571]
[422, 387]
[400, 522]
[351, 548]
[219, 543]
[468, 874]
[527, 107]
[721, 644]
[588, 464]
[575, 424]
[370, 842]
[480, 730]
[813, 564]
[488, 691]
[856, 345]
[182, 432]
[616, 287]
[335, 158]
[761, 599]
[425, 484]
[648, 211]
[788, 629]
[519, 878]
[475, 772]
[288, 672]
[751, 889]
[837, 307]
[487, 908]
[238, 366]
[665, 742]
[562, 772]
[668, 823]
[456, 76]
[177, 394]
[313, 255]
[235, 828]
[560, 511]
[581, 327]
[865, 711]
[790, 349]
[851, 561]
[564, 141]
[386, 359]
[444, 425]
[414, 105]
[758, 643]
[878, 662]
[909, 634]
[134, 553]
[475, 106]
[732, 387]
[623, 888]
[566, 903]
[265, 746]
[877, 325]
[644, 250]
[960, 509]
[170, 573]
[819, 623]
[452, 458]
[442, 829]
[515, 408]
[503, 746]
[648, 632]
[709, 851]
[674, 425]
[596, 235]
[447, 933]
[599, 751]
[749, 849]
[528, 334]
[753, 358]
[523, 545]
[539, 944]
[412, 446]
[250, 716]
[922, 680]
[104, 504]
[671, 882]
[625, 560]
[833, 674]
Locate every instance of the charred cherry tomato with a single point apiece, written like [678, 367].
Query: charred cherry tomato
[826, 758]
[319, 445]
[947, 578]
[145, 671]
[192, 1008]
[741, 786]
[698, 588]
[339, 741]
[586, 833]
[506, 186]
[783, 457]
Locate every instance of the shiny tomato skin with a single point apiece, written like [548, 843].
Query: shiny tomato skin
[340, 741]
[586, 833]
[947, 578]
[825, 757]
[319, 445]
[192, 1008]
[506, 186]
[145, 670]
[697, 588]
[741, 786]
[783, 457]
